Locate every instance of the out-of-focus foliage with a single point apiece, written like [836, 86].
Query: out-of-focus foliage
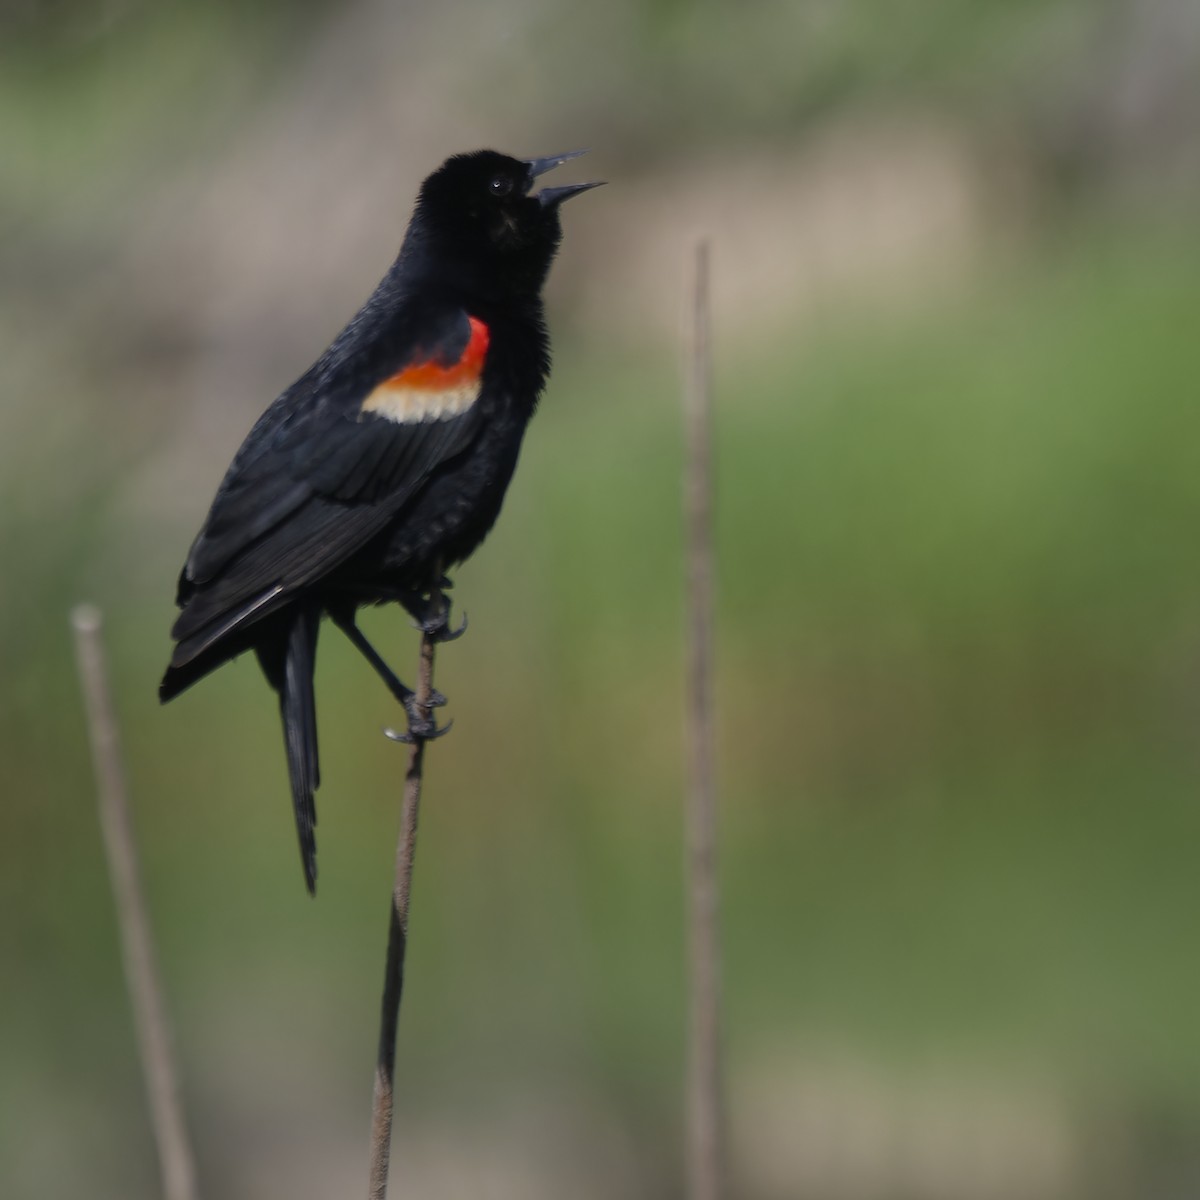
[958, 273]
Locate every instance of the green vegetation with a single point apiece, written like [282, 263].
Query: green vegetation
[959, 664]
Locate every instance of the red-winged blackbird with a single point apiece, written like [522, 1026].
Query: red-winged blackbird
[386, 462]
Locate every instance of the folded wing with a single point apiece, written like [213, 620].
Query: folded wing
[330, 464]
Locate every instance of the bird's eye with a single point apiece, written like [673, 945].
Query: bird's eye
[501, 185]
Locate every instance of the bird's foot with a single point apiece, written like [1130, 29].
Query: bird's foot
[421, 725]
[432, 616]
[438, 628]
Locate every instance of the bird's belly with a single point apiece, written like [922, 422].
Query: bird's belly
[440, 527]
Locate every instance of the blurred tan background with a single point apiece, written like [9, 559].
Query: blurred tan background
[957, 271]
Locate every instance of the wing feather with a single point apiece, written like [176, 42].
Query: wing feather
[320, 475]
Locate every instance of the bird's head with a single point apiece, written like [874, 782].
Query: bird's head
[480, 210]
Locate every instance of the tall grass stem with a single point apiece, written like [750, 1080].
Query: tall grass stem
[393, 984]
[706, 1150]
[151, 1024]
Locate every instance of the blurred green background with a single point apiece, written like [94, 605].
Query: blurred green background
[957, 291]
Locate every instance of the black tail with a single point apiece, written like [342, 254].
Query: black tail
[288, 664]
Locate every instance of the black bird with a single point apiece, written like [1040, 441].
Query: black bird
[387, 461]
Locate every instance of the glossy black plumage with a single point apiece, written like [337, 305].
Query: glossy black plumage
[387, 461]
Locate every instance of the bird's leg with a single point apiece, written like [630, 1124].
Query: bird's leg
[419, 724]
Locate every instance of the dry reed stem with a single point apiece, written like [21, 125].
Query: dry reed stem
[706, 1150]
[393, 983]
[152, 1027]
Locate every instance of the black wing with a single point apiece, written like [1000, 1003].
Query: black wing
[327, 467]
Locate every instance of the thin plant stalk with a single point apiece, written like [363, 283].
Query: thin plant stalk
[151, 1024]
[393, 984]
[706, 1149]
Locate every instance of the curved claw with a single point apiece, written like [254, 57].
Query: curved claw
[446, 634]
[438, 627]
[420, 731]
[421, 725]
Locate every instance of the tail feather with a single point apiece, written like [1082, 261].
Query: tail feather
[289, 665]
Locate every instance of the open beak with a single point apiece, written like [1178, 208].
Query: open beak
[551, 197]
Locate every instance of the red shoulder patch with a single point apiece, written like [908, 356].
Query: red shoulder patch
[433, 389]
